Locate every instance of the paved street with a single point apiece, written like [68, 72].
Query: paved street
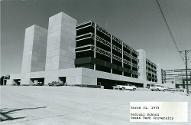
[33, 105]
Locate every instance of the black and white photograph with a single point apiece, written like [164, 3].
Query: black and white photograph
[95, 62]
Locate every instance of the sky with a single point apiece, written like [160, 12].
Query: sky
[137, 22]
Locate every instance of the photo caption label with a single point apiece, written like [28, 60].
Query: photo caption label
[158, 111]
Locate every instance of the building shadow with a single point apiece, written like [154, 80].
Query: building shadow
[5, 114]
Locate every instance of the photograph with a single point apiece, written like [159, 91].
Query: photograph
[95, 62]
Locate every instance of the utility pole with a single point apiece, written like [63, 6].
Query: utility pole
[186, 65]
[190, 78]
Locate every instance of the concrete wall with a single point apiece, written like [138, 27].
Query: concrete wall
[12, 77]
[79, 76]
[40, 74]
[142, 65]
[73, 75]
[90, 76]
[39, 49]
[159, 77]
[27, 51]
[60, 45]
[34, 53]
[142, 68]
[67, 42]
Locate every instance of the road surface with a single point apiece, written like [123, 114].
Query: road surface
[43, 105]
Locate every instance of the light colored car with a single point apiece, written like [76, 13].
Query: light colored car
[157, 88]
[126, 87]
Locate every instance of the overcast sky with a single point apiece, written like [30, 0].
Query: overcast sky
[137, 22]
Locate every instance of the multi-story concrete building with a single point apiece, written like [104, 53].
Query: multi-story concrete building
[163, 76]
[84, 54]
[99, 50]
[151, 71]
[34, 53]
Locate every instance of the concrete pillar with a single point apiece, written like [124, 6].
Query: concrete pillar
[159, 77]
[95, 43]
[39, 49]
[34, 53]
[142, 66]
[122, 58]
[61, 43]
[111, 53]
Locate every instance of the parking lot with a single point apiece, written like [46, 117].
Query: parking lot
[44, 105]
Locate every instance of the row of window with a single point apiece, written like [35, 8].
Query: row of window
[88, 51]
[85, 48]
[89, 27]
[104, 45]
[132, 73]
[150, 64]
[148, 69]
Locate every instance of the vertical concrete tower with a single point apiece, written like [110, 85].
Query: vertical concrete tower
[61, 45]
[159, 77]
[142, 66]
[34, 53]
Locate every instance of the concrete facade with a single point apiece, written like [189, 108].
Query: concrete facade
[60, 45]
[51, 55]
[159, 73]
[142, 69]
[98, 49]
[84, 76]
[142, 65]
[34, 53]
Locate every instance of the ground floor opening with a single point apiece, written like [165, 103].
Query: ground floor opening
[37, 81]
[17, 81]
[108, 83]
[62, 79]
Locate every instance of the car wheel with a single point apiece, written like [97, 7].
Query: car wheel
[134, 89]
[123, 88]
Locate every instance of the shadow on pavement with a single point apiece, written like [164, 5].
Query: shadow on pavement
[5, 113]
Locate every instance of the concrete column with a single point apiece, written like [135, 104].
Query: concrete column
[95, 44]
[34, 53]
[131, 63]
[61, 43]
[39, 49]
[142, 66]
[159, 78]
[111, 53]
[122, 58]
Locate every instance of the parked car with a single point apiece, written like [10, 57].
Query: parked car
[157, 88]
[126, 87]
[55, 83]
